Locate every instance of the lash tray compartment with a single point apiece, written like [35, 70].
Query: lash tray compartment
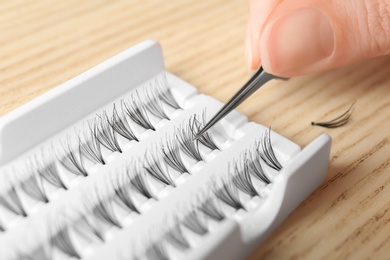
[105, 166]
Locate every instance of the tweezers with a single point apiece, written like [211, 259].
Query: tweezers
[258, 79]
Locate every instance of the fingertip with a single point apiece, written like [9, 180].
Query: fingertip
[298, 42]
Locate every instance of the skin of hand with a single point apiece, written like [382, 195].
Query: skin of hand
[296, 37]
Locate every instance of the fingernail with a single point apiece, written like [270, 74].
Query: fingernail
[297, 42]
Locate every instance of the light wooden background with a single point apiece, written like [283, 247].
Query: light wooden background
[45, 43]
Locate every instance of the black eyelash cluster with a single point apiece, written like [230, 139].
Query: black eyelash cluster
[11, 200]
[162, 92]
[171, 155]
[196, 125]
[62, 240]
[101, 133]
[49, 172]
[176, 236]
[33, 186]
[338, 121]
[158, 169]
[186, 136]
[264, 148]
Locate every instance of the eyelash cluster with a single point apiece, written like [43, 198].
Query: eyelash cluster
[338, 121]
[186, 138]
[99, 137]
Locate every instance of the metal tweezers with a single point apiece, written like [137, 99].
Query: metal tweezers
[258, 79]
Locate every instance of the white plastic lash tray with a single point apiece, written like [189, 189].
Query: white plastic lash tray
[105, 166]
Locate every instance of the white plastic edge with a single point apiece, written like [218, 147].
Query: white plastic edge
[37, 120]
[290, 188]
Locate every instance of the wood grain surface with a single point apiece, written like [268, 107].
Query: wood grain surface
[45, 43]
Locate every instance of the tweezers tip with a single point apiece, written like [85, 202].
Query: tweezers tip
[196, 137]
[199, 134]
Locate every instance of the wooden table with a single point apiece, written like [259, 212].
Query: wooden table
[45, 43]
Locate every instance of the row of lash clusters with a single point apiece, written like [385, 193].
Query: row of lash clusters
[223, 201]
[130, 189]
[132, 186]
[171, 153]
[104, 135]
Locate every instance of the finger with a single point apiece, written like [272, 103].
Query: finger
[248, 46]
[308, 36]
[258, 10]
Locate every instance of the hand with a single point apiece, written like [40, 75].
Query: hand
[296, 37]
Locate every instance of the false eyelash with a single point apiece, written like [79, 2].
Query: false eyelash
[11, 200]
[338, 121]
[171, 152]
[33, 186]
[154, 104]
[121, 126]
[176, 237]
[196, 222]
[242, 179]
[196, 126]
[228, 193]
[139, 181]
[104, 210]
[266, 151]
[157, 250]
[63, 242]
[103, 131]
[254, 163]
[123, 192]
[137, 112]
[50, 173]
[187, 142]
[154, 167]
[91, 226]
[210, 208]
[164, 93]
[90, 147]
[73, 161]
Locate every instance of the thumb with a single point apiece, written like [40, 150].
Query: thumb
[306, 36]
